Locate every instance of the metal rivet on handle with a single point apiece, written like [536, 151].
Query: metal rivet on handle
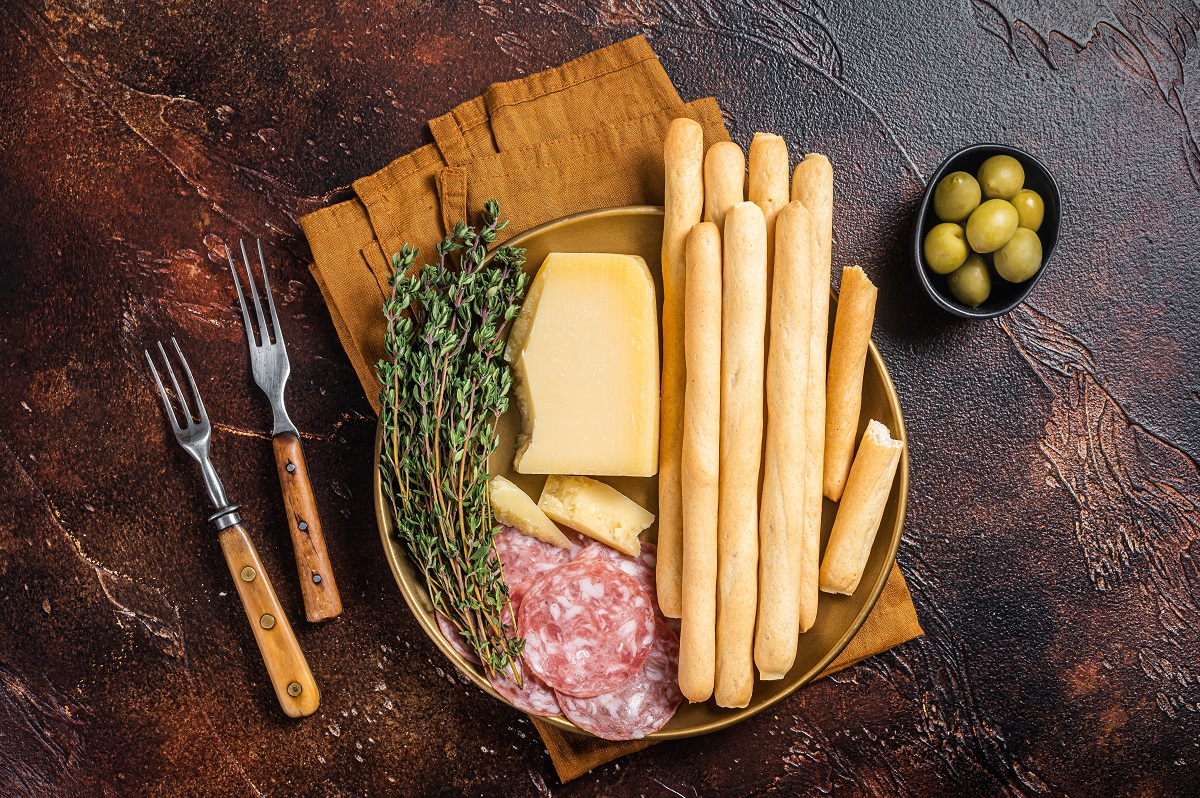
[267, 621]
[291, 469]
[247, 574]
[294, 689]
[302, 526]
[316, 579]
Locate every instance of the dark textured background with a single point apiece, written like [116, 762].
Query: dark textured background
[1053, 535]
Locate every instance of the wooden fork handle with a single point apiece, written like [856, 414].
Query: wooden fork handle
[290, 676]
[321, 600]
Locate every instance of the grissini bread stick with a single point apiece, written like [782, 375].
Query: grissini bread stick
[724, 180]
[683, 200]
[787, 561]
[861, 509]
[701, 461]
[847, 359]
[812, 184]
[743, 327]
[768, 184]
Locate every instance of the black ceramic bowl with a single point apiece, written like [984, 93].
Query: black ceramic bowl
[1005, 295]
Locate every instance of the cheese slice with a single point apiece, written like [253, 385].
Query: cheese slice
[512, 506]
[584, 352]
[597, 510]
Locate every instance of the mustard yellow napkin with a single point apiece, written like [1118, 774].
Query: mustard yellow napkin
[586, 135]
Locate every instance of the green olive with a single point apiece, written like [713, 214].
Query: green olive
[970, 283]
[956, 195]
[945, 247]
[1030, 209]
[1001, 176]
[1019, 259]
[991, 225]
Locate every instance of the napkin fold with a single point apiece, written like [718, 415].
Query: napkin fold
[583, 136]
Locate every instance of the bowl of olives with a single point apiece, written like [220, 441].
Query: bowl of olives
[985, 230]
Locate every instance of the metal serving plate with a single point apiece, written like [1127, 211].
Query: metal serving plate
[637, 230]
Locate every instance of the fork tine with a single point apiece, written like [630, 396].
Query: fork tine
[191, 381]
[187, 411]
[258, 311]
[241, 300]
[270, 299]
[163, 393]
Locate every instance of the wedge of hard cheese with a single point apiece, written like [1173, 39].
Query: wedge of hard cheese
[584, 352]
[512, 506]
[597, 510]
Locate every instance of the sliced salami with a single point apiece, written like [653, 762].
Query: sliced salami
[455, 639]
[642, 705]
[533, 696]
[588, 627]
[523, 558]
[641, 568]
[516, 595]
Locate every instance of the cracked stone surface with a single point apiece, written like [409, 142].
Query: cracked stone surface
[1053, 534]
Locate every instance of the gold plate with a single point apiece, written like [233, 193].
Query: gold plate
[637, 230]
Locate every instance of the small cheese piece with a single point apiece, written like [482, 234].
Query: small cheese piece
[512, 506]
[584, 352]
[597, 510]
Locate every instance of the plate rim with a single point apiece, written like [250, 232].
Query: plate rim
[393, 550]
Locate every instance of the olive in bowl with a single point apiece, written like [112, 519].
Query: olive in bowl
[1008, 207]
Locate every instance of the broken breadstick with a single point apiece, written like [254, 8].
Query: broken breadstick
[861, 510]
[847, 360]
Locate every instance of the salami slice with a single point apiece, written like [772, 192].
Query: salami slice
[533, 696]
[639, 707]
[523, 558]
[516, 595]
[641, 568]
[455, 639]
[588, 627]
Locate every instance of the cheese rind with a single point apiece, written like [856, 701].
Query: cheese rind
[597, 510]
[512, 506]
[584, 352]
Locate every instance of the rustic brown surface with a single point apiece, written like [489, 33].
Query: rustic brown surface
[1052, 534]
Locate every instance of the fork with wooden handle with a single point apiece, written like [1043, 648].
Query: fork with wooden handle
[269, 363]
[293, 681]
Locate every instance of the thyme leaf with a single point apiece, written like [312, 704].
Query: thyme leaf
[444, 385]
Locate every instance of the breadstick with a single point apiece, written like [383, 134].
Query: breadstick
[743, 327]
[768, 185]
[724, 180]
[701, 461]
[861, 509]
[683, 200]
[787, 561]
[847, 359]
[812, 184]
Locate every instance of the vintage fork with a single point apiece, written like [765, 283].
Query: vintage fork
[269, 363]
[293, 681]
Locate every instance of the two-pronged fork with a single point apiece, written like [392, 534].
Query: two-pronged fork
[293, 681]
[269, 363]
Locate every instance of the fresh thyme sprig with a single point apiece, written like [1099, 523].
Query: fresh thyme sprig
[445, 383]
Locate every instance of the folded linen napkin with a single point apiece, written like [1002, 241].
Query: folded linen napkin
[586, 135]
